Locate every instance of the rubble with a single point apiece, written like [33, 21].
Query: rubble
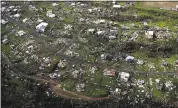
[124, 76]
[90, 10]
[75, 73]
[54, 4]
[109, 72]
[80, 87]
[124, 27]
[90, 31]
[163, 35]
[163, 64]
[68, 27]
[3, 21]
[112, 37]
[72, 4]
[11, 7]
[106, 51]
[54, 75]
[21, 33]
[3, 9]
[151, 66]
[159, 84]
[150, 81]
[169, 85]
[100, 32]
[24, 20]
[82, 20]
[99, 21]
[39, 20]
[145, 23]
[62, 64]
[32, 8]
[50, 14]
[5, 41]
[25, 61]
[135, 15]
[140, 83]
[140, 62]
[93, 69]
[113, 32]
[176, 62]
[103, 56]
[15, 10]
[113, 2]
[117, 90]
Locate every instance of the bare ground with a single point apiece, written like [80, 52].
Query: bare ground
[161, 4]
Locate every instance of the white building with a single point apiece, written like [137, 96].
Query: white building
[90, 10]
[124, 76]
[100, 21]
[90, 31]
[17, 15]
[113, 2]
[39, 20]
[72, 4]
[24, 20]
[41, 27]
[149, 34]
[129, 58]
[112, 37]
[116, 6]
[54, 4]
[5, 41]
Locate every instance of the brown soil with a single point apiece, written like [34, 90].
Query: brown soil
[64, 93]
[161, 4]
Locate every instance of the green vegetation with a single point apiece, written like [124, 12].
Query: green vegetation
[153, 52]
[68, 84]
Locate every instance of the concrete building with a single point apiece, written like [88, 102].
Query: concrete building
[41, 27]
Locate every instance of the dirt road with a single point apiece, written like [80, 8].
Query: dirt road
[64, 93]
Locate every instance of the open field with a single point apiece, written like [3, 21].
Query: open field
[161, 4]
